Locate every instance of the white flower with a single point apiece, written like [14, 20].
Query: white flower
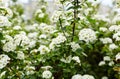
[34, 51]
[17, 28]
[87, 77]
[41, 15]
[20, 55]
[59, 39]
[4, 21]
[104, 77]
[103, 29]
[30, 28]
[21, 39]
[76, 58]
[106, 40]
[4, 60]
[113, 46]
[41, 26]
[9, 12]
[8, 38]
[115, 28]
[29, 70]
[67, 59]
[111, 63]
[106, 58]
[117, 57]
[43, 49]
[32, 43]
[52, 46]
[101, 63]
[116, 19]
[74, 46]
[87, 35]
[116, 36]
[48, 29]
[9, 46]
[42, 36]
[87, 11]
[77, 76]
[56, 15]
[33, 35]
[47, 74]
[57, 3]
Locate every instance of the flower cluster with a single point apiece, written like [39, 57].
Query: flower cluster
[87, 35]
[4, 60]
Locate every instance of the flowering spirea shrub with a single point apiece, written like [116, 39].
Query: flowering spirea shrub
[79, 41]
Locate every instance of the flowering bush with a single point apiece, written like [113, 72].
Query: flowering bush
[79, 41]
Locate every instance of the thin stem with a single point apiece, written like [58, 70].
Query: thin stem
[75, 17]
[62, 27]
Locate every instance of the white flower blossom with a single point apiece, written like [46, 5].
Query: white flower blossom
[74, 46]
[101, 63]
[116, 36]
[106, 40]
[46, 74]
[87, 77]
[20, 55]
[87, 35]
[103, 29]
[9, 46]
[77, 76]
[52, 46]
[17, 27]
[106, 58]
[43, 49]
[76, 58]
[30, 28]
[32, 43]
[9, 12]
[111, 63]
[59, 39]
[113, 46]
[41, 15]
[29, 70]
[4, 21]
[115, 28]
[42, 36]
[117, 57]
[8, 38]
[116, 19]
[48, 29]
[21, 39]
[104, 77]
[67, 59]
[41, 26]
[33, 35]
[56, 15]
[4, 60]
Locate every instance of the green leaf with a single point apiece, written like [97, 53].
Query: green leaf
[1, 36]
